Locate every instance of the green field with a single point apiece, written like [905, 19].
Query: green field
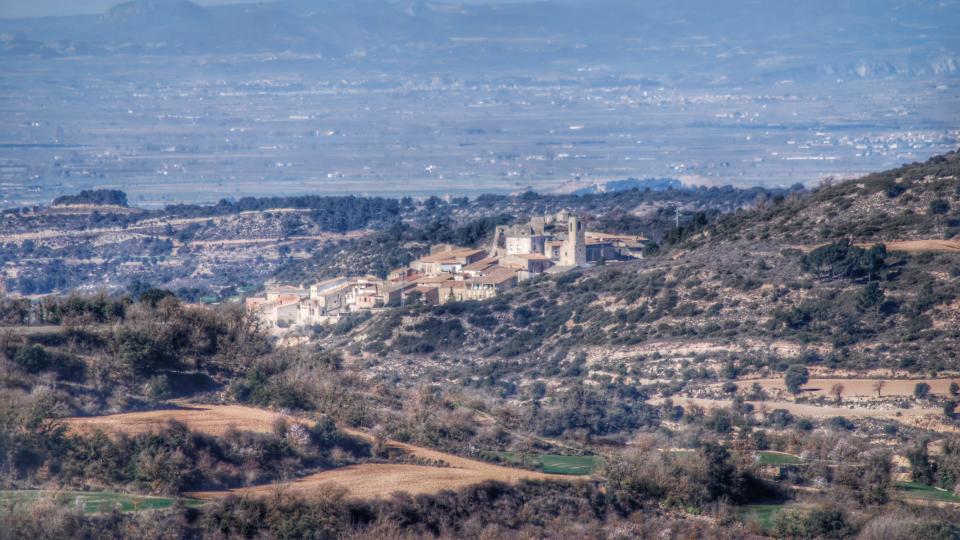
[569, 464]
[777, 458]
[93, 502]
[555, 464]
[913, 490]
[762, 514]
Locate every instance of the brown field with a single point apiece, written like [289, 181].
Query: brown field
[373, 481]
[209, 419]
[855, 387]
[369, 480]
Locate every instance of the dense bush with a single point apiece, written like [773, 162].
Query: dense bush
[595, 413]
[690, 478]
[842, 260]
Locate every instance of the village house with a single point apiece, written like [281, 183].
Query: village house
[275, 310]
[622, 246]
[527, 265]
[450, 259]
[277, 291]
[481, 287]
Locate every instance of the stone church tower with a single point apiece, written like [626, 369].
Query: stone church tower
[574, 249]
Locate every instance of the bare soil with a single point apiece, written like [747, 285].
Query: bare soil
[210, 419]
[373, 481]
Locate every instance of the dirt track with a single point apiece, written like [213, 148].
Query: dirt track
[950, 246]
[855, 387]
[815, 411]
[909, 246]
[369, 480]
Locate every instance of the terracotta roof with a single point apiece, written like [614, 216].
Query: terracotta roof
[409, 277]
[434, 280]
[284, 299]
[497, 275]
[450, 256]
[482, 264]
[398, 286]
[424, 290]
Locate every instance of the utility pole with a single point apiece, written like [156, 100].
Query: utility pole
[678, 216]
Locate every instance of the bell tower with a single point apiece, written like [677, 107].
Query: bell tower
[574, 250]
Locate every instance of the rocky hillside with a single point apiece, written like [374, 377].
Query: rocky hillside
[751, 294]
[920, 201]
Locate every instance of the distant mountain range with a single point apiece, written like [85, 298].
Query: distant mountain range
[682, 39]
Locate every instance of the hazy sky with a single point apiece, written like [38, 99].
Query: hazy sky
[42, 8]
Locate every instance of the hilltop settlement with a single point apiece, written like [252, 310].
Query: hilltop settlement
[549, 244]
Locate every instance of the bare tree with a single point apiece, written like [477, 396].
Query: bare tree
[878, 386]
[837, 392]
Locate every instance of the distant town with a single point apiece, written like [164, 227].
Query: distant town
[550, 244]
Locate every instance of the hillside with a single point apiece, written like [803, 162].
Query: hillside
[914, 202]
[749, 294]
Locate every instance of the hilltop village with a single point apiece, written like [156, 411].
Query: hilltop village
[549, 244]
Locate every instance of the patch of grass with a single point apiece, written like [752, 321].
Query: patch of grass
[777, 458]
[554, 464]
[569, 464]
[913, 490]
[94, 502]
[762, 514]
